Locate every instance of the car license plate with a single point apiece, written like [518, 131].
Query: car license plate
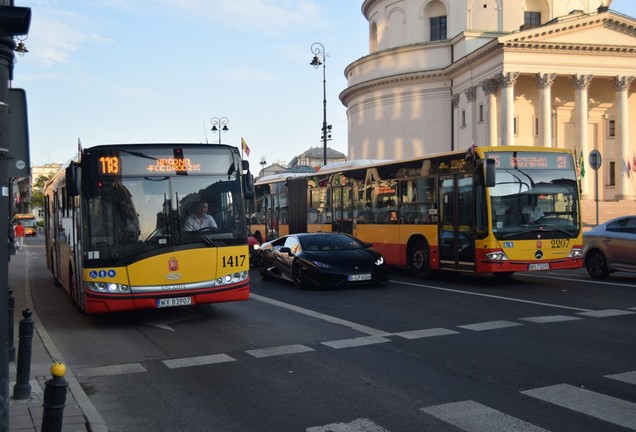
[539, 266]
[359, 277]
[174, 301]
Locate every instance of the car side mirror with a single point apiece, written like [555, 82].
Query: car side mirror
[285, 250]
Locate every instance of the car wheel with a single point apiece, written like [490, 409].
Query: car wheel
[420, 260]
[262, 268]
[298, 276]
[596, 264]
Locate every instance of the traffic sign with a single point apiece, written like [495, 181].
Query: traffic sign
[595, 159]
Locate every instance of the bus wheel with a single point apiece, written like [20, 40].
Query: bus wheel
[76, 297]
[297, 275]
[420, 260]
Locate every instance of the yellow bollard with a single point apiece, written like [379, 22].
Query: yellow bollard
[54, 399]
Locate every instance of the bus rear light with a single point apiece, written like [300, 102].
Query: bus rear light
[496, 256]
[108, 287]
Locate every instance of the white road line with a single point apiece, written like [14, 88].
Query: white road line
[583, 279]
[491, 296]
[424, 333]
[490, 325]
[628, 377]
[597, 405]
[358, 327]
[358, 425]
[471, 416]
[278, 350]
[605, 313]
[197, 361]
[356, 342]
[120, 369]
[550, 319]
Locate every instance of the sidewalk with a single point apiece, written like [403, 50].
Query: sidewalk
[26, 415]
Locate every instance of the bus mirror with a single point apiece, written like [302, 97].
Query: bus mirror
[73, 179]
[489, 172]
[248, 185]
[246, 165]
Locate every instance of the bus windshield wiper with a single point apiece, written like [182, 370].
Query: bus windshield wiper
[199, 234]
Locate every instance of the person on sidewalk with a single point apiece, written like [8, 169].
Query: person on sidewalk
[19, 236]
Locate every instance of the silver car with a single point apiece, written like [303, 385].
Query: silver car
[611, 247]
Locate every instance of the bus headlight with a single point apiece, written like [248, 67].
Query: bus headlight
[107, 287]
[232, 278]
[496, 256]
[576, 253]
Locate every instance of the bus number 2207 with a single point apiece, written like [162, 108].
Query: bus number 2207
[234, 260]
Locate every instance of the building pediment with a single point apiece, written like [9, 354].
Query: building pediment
[606, 31]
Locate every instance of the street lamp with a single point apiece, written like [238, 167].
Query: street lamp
[219, 124]
[320, 56]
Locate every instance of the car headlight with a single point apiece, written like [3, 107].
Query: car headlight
[379, 261]
[107, 287]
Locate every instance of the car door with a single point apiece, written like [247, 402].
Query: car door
[622, 251]
[285, 256]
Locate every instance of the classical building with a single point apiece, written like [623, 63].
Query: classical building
[442, 75]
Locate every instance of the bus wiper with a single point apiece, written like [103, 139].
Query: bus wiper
[146, 241]
[551, 228]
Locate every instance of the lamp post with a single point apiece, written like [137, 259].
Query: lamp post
[219, 124]
[320, 56]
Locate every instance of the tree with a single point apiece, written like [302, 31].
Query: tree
[37, 193]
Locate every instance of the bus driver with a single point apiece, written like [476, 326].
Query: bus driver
[200, 219]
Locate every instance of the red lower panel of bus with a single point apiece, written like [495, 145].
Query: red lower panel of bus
[103, 303]
[483, 265]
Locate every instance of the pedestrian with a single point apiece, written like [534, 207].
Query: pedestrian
[19, 235]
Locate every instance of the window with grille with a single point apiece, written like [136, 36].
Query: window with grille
[438, 28]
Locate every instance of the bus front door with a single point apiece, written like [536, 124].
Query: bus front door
[456, 222]
[342, 209]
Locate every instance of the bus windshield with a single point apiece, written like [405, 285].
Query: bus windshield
[527, 199]
[128, 216]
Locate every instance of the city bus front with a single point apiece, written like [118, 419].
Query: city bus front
[534, 208]
[145, 241]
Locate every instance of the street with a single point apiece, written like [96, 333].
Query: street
[543, 351]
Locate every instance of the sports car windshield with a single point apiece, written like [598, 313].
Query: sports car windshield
[329, 243]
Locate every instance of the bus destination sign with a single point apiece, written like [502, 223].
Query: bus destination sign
[530, 160]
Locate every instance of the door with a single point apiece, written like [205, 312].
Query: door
[456, 228]
[342, 209]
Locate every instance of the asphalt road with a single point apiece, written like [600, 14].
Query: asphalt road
[544, 351]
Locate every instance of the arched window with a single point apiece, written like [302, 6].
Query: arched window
[373, 37]
[436, 13]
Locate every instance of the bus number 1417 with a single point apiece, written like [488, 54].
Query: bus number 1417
[234, 261]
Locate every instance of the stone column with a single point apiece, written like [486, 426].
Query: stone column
[581, 83]
[456, 123]
[621, 85]
[471, 97]
[544, 82]
[507, 83]
[489, 88]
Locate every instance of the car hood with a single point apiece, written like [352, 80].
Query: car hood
[360, 258]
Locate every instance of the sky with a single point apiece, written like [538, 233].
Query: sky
[133, 71]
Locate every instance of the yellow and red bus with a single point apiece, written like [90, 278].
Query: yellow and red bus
[118, 235]
[29, 222]
[463, 211]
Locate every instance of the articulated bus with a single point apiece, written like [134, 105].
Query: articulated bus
[29, 222]
[118, 235]
[466, 211]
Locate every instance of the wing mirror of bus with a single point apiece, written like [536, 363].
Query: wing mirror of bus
[248, 185]
[489, 172]
[246, 165]
[73, 179]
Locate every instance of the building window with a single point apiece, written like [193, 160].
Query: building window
[438, 28]
[515, 127]
[612, 128]
[536, 126]
[481, 112]
[611, 181]
[532, 19]
[463, 118]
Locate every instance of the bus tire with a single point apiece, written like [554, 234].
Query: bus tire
[420, 260]
[76, 297]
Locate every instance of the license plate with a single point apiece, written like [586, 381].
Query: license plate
[359, 277]
[539, 266]
[174, 301]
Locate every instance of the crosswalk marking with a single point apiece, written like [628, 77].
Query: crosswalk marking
[356, 342]
[628, 377]
[610, 409]
[424, 333]
[278, 350]
[358, 425]
[119, 369]
[490, 325]
[471, 416]
[605, 313]
[197, 361]
[550, 319]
